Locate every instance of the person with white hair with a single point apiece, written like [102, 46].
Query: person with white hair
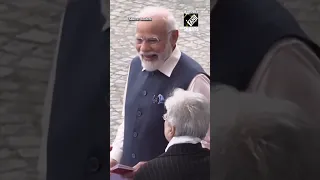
[185, 124]
[158, 68]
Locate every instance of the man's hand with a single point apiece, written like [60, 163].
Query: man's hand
[136, 168]
[112, 163]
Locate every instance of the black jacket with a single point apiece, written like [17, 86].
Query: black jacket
[180, 162]
[78, 140]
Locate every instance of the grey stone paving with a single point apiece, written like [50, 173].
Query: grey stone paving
[28, 34]
[195, 44]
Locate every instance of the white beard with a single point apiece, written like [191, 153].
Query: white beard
[157, 63]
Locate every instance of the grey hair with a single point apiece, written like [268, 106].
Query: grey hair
[189, 113]
[162, 12]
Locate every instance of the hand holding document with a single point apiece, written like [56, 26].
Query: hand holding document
[117, 172]
[121, 169]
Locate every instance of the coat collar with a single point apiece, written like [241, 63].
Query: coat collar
[184, 149]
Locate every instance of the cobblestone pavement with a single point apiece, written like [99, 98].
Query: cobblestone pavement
[28, 34]
[195, 44]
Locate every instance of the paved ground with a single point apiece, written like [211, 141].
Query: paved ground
[28, 33]
[195, 44]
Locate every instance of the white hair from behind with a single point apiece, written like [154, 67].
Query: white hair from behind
[189, 113]
[149, 12]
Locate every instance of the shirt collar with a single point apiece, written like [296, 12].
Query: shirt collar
[182, 140]
[169, 65]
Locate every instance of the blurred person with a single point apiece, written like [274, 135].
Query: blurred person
[186, 122]
[258, 46]
[255, 137]
[159, 68]
[76, 110]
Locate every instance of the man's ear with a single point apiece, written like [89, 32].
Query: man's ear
[174, 37]
[173, 130]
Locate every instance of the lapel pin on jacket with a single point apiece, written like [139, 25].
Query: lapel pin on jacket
[159, 99]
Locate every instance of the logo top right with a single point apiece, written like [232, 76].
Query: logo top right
[191, 19]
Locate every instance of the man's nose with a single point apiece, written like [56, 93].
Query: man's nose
[145, 47]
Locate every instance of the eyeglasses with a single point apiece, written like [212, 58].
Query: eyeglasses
[151, 40]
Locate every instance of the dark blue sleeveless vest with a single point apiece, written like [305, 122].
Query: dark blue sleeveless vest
[144, 131]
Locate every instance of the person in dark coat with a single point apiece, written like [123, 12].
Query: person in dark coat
[78, 142]
[186, 123]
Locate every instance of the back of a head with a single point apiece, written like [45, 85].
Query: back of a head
[189, 112]
[259, 138]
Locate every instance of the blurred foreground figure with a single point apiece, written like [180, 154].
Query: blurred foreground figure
[258, 138]
[257, 46]
[77, 147]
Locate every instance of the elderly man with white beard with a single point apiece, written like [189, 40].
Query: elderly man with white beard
[159, 68]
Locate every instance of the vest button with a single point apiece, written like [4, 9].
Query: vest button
[139, 113]
[133, 155]
[144, 92]
[135, 134]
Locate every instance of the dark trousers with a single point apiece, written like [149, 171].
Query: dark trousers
[78, 139]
